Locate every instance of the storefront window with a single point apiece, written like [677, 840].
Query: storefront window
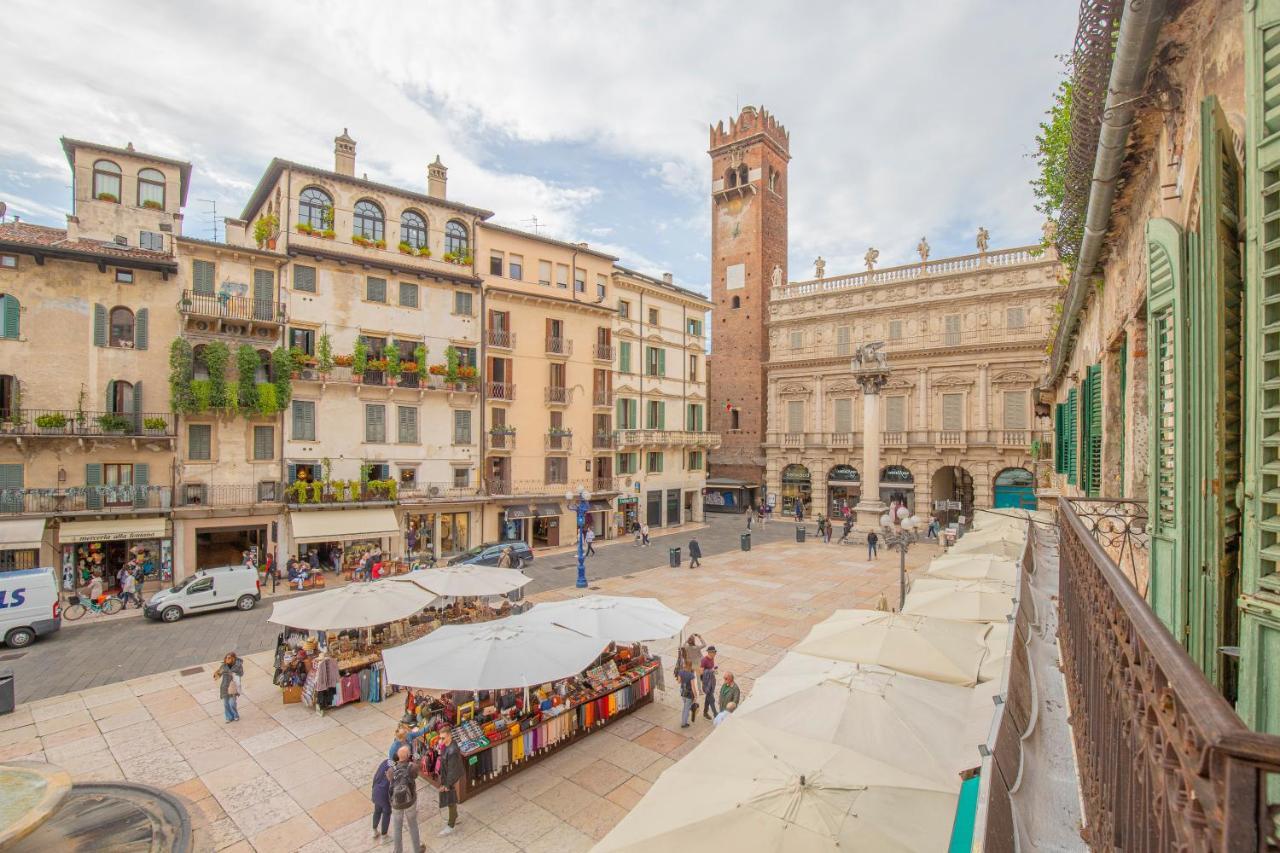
[455, 533]
[796, 486]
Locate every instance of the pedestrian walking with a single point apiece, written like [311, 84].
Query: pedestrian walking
[644, 534]
[229, 673]
[452, 773]
[128, 589]
[872, 541]
[848, 528]
[827, 532]
[636, 532]
[692, 651]
[402, 778]
[822, 527]
[730, 693]
[505, 560]
[751, 516]
[695, 554]
[687, 707]
[381, 796]
[590, 538]
[799, 510]
[707, 681]
[335, 557]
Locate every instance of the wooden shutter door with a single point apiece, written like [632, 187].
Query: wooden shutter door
[11, 479]
[99, 325]
[1070, 434]
[264, 282]
[140, 323]
[11, 309]
[142, 482]
[92, 480]
[1169, 507]
[1091, 432]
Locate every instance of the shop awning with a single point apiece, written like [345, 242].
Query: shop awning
[21, 534]
[546, 510]
[339, 525]
[516, 512]
[729, 483]
[113, 530]
[600, 506]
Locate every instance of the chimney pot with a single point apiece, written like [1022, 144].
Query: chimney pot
[666, 276]
[437, 179]
[344, 154]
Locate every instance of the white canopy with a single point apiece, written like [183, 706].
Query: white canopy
[1000, 533]
[490, 656]
[973, 567]
[970, 601]
[468, 580]
[997, 548]
[21, 534]
[610, 617]
[332, 525]
[357, 605]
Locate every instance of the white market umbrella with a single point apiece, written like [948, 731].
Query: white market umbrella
[995, 548]
[357, 605]
[610, 617]
[970, 601]
[753, 787]
[998, 651]
[972, 567]
[984, 518]
[911, 723]
[998, 534]
[490, 656]
[468, 581]
[943, 650]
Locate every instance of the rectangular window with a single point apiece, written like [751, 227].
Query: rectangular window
[624, 309]
[304, 278]
[602, 287]
[653, 462]
[200, 442]
[693, 368]
[1015, 318]
[628, 414]
[655, 361]
[657, 415]
[626, 463]
[695, 327]
[844, 338]
[843, 411]
[408, 295]
[303, 339]
[124, 276]
[624, 356]
[461, 478]
[952, 412]
[557, 470]
[695, 460]
[495, 263]
[9, 262]
[461, 426]
[515, 267]
[797, 340]
[151, 240]
[462, 303]
[895, 330]
[375, 423]
[466, 355]
[1015, 409]
[407, 424]
[304, 420]
[375, 289]
[202, 275]
[544, 272]
[951, 330]
[795, 416]
[579, 280]
[895, 414]
[693, 417]
[562, 276]
[653, 316]
[264, 443]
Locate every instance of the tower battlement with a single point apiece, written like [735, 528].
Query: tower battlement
[750, 121]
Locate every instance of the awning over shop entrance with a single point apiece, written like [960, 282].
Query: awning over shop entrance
[600, 506]
[546, 510]
[21, 534]
[113, 530]
[338, 525]
[517, 511]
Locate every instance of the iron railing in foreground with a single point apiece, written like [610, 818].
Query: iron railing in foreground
[1119, 525]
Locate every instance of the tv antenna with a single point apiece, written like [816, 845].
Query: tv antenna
[212, 213]
[533, 222]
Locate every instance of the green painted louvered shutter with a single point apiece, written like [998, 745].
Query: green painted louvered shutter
[1092, 432]
[141, 483]
[621, 406]
[109, 405]
[93, 481]
[662, 361]
[11, 311]
[1124, 407]
[264, 285]
[1259, 701]
[140, 332]
[624, 357]
[202, 277]
[99, 325]
[1070, 433]
[1219, 315]
[137, 406]
[1168, 510]
[11, 487]
[1059, 444]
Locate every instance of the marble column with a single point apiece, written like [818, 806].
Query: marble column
[870, 507]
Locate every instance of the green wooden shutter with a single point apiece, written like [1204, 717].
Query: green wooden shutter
[1093, 447]
[1124, 408]
[140, 336]
[374, 423]
[92, 482]
[1059, 438]
[11, 487]
[202, 277]
[1070, 433]
[99, 325]
[304, 278]
[137, 406]
[407, 424]
[1259, 702]
[9, 322]
[110, 403]
[624, 357]
[662, 361]
[376, 289]
[141, 483]
[1169, 507]
[264, 285]
[263, 442]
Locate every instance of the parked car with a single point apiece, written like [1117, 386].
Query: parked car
[487, 555]
[29, 606]
[208, 589]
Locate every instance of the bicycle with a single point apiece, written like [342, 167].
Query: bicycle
[79, 606]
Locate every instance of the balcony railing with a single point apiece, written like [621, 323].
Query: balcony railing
[606, 483]
[507, 487]
[501, 338]
[344, 374]
[559, 346]
[558, 396]
[893, 439]
[70, 422]
[1119, 525]
[793, 439]
[223, 495]
[502, 441]
[949, 437]
[666, 438]
[337, 492]
[604, 441]
[1024, 335]
[86, 499]
[1026, 255]
[602, 398]
[436, 492]
[558, 443]
[500, 390]
[840, 439]
[1165, 763]
[232, 307]
[604, 352]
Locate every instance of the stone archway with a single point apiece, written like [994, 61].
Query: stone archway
[953, 494]
[898, 484]
[844, 488]
[797, 485]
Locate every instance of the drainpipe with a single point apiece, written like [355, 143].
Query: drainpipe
[1135, 46]
[483, 374]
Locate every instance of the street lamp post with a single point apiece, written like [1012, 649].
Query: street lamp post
[580, 503]
[899, 533]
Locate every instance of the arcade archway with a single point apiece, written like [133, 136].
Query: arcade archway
[897, 485]
[797, 485]
[844, 488]
[1014, 487]
[952, 494]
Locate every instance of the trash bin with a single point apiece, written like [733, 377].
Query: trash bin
[6, 690]
[800, 532]
[744, 541]
[673, 557]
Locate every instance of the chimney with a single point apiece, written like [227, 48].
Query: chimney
[344, 154]
[666, 276]
[437, 179]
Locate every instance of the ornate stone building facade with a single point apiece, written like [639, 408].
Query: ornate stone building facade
[965, 342]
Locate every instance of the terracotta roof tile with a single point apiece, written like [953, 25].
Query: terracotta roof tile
[42, 236]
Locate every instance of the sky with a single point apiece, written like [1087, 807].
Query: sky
[907, 118]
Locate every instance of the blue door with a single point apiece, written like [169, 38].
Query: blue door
[1015, 488]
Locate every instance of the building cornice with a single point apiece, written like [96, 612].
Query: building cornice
[379, 263]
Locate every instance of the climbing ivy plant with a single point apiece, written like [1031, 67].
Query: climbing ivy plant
[1053, 143]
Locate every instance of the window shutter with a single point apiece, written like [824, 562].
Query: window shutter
[202, 277]
[110, 404]
[1069, 431]
[795, 416]
[99, 325]
[662, 361]
[264, 285]
[843, 415]
[462, 426]
[304, 423]
[624, 357]
[374, 423]
[408, 425]
[895, 414]
[1058, 443]
[621, 416]
[953, 412]
[140, 337]
[952, 330]
[662, 415]
[137, 405]
[263, 443]
[141, 483]
[377, 289]
[291, 473]
[843, 338]
[1093, 433]
[1015, 409]
[409, 294]
[304, 278]
[92, 480]
[10, 487]
[11, 308]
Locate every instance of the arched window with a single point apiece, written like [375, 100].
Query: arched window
[122, 397]
[121, 331]
[368, 220]
[314, 208]
[730, 178]
[1015, 477]
[413, 229]
[455, 239]
[151, 189]
[744, 175]
[106, 181]
[737, 302]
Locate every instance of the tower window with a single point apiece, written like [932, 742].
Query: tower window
[733, 419]
[730, 178]
[737, 302]
[744, 176]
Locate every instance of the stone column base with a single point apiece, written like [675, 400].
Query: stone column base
[868, 515]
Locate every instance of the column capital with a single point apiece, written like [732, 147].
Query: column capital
[871, 383]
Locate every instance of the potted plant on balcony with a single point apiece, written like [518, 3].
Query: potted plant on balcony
[155, 426]
[111, 197]
[324, 355]
[343, 360]
[406, 247]
[409, 368]
[305, 228]
[380, 244]
[52, 422]
[266, 229]
[502, 429]
[361, 240]
[112, 422]
[152, 204]
[392, 362]
[359, 361]
[559, 432]
[424, 252]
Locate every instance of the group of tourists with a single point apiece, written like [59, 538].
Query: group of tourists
[696, 673]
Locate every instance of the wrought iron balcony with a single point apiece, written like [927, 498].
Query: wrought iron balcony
[558, 443]
[604, 441]
[500, 390]
[192, 495]
[226, 307]
[84, 499]
[559, 346]
[501, 338]
[559, 396]
[62, 423]
[421, 492]
[604, 352]
[502, 440]
[602, 398]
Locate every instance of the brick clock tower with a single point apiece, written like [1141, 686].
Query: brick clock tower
[748, 253]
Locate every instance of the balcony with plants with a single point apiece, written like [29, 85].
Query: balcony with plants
[80, 422]
[330, 491]
[324, 235]
[388, 369]
[502, 438]
[202, 383]
[84, 500]
[559, 440]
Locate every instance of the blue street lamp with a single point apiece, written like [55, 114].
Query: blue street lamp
[580, 504]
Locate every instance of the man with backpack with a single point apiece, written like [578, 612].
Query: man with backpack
[452, 772]
[403, 778]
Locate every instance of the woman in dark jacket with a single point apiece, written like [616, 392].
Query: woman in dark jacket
[695, 554]
[381, 797]
[229, 686]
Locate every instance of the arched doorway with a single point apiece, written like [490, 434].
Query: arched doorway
[796, 486]
[843, 490]
[952, 494]
[897, 485]
[1015, 487]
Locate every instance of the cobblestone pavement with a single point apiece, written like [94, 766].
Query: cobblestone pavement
[92, 654]
[284, 779]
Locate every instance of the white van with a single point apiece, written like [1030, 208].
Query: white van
[29, 606]
[207, 589]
